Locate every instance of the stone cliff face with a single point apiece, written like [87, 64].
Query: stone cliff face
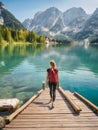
[54, 22]
[90, 27]
[8, 19]
[73, 23]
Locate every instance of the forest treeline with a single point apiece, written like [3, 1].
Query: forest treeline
[10, 36]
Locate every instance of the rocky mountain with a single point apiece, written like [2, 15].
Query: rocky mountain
[74, 14]
[74, 19]
[90, 28]
[8, 19]
[53, 22]
[45, 21]
[27, 23]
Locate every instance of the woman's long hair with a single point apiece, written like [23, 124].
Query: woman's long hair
[53, 63]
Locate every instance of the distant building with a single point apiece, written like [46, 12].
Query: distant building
[47, 40]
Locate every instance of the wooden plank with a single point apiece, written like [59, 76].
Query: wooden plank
[13, 115]
[78, 101]
[90, 120]
[38, 116]
[53, 125]
[75, 107]
[94, 107]
[66, 128]
[56, 117]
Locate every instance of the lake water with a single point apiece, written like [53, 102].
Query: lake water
[23, 68]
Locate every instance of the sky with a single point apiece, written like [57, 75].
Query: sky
[23, 9]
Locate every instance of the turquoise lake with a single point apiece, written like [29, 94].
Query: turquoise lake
[23, 68]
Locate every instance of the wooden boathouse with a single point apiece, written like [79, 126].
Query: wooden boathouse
[71, 112]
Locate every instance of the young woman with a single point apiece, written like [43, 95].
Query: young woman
[52, 79]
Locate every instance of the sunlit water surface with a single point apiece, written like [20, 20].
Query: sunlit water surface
[22, 70]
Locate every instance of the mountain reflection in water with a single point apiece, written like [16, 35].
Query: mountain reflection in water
[23, 68]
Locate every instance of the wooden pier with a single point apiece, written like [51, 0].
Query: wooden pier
[69, 113]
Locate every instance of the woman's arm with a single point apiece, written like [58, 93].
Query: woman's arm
[58, 80]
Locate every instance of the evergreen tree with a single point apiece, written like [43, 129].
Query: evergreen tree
[34, 36]
[21, 35]
[14, 34]
[41, 39]
[1, 38]
[31, 37]
[8, 37]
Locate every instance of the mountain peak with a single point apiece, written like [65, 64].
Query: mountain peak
[75, 8]
[96, 12]
[52, 8]
[8, 19]
[53, 22]
[74, 14]
[76, 11]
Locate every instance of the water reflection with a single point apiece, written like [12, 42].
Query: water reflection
[23, 68]
[15, 74]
